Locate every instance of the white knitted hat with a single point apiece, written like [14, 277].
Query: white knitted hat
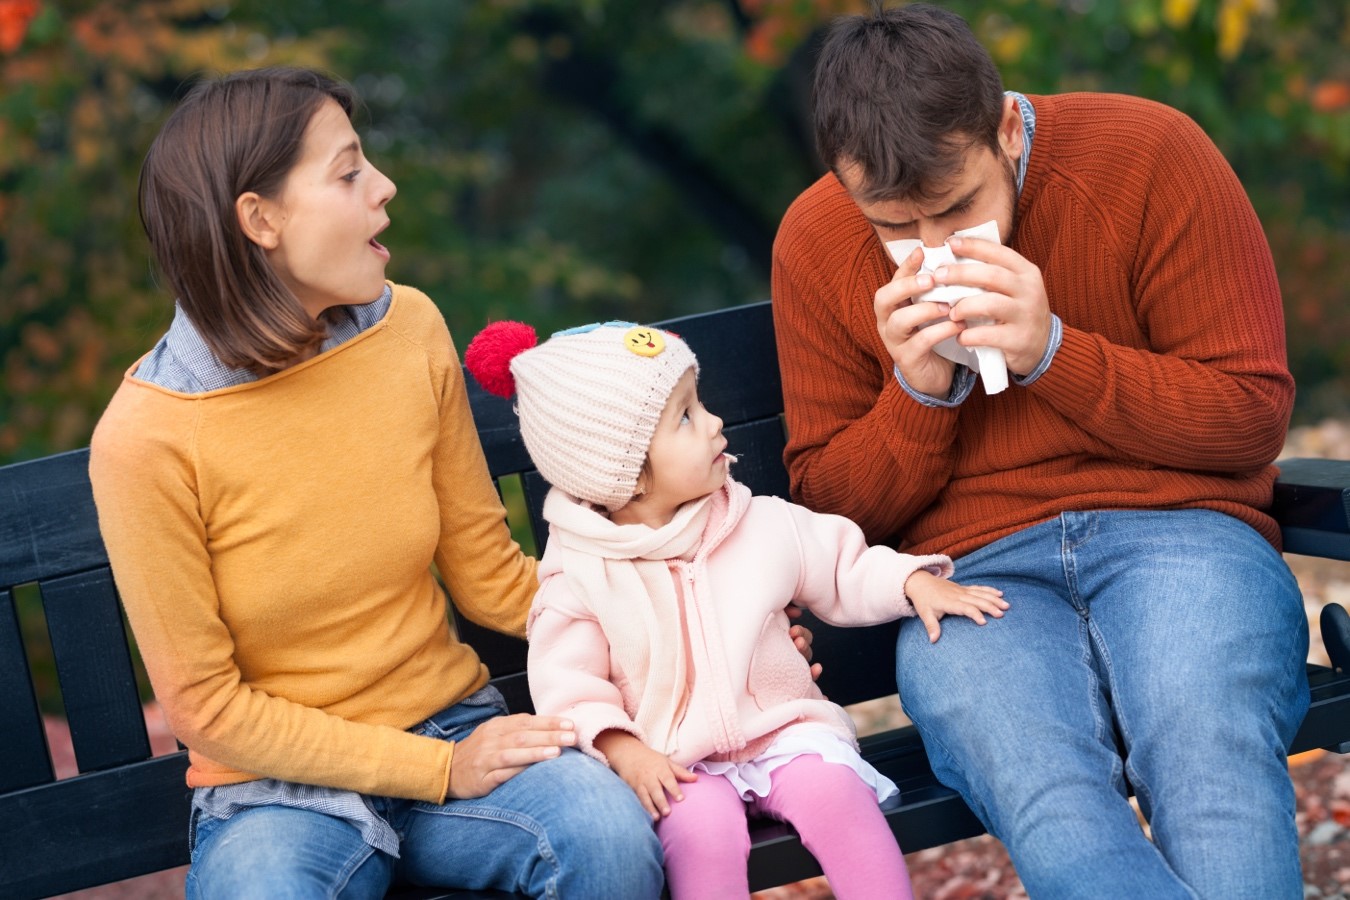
[588, 398]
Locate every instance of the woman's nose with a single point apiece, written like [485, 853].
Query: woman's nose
[387, 189]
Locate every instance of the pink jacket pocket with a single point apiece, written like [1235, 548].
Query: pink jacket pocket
[778, 673]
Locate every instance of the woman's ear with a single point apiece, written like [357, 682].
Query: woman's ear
[258, 218]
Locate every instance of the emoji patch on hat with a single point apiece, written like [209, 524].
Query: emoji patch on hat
[644, 341]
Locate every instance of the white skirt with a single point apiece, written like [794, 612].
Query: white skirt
[751, 778]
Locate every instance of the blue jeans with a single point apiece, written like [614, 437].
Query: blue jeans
[566, 827]
[1166, 648]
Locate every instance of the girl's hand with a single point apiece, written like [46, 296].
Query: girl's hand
[935, 597]
[502, 748]
[651, 775]
[801, 639]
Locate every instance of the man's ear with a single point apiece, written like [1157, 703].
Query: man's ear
[1010, 135]
[258, 218]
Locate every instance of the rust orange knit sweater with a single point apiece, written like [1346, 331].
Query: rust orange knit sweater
[1171, 389]
[273, 543]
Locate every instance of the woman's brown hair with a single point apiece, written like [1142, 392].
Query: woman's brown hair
[241, 132]
[902, 93]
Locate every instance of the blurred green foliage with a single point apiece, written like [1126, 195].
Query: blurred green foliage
[567, 160]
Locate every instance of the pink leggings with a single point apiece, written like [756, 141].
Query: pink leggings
[707, 843]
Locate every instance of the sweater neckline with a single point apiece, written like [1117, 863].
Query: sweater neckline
[275, 377]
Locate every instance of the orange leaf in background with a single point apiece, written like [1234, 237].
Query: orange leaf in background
[1331, 96]
[781, 24]
[763, 43]
[14, 18]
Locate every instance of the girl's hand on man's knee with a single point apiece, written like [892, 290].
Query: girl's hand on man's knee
[502, 748]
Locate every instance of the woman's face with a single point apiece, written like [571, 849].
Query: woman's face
[325, 221]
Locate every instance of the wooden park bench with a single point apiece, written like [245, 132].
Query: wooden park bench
[126, 813]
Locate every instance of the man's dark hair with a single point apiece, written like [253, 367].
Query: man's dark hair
[903, 93]
[242, 132]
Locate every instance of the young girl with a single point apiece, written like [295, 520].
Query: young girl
[274, 481]
[659, 626]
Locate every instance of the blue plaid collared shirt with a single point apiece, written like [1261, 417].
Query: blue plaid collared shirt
[181, 360]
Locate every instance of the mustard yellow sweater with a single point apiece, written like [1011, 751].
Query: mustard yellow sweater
[273, 544]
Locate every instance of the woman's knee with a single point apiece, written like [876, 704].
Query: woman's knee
[279, 852]
[599, 834]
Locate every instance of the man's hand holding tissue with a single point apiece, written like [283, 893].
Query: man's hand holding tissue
[1014, 297]
[901, 323]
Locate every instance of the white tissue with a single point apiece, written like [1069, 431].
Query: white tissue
[988, 361]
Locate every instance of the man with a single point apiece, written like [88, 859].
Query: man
[1115, 491]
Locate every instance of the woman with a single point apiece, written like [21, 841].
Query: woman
[274, 482]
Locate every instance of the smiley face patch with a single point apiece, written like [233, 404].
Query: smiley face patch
[644, 341]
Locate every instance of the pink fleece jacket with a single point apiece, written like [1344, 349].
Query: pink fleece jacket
[743, 680]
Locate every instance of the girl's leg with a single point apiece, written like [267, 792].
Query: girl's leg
[839, 821]
[706, 841]
[278, 853]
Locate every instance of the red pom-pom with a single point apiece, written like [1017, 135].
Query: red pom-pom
[488, 356]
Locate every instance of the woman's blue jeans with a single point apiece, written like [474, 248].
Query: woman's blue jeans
[567, 827]
[1164, 648]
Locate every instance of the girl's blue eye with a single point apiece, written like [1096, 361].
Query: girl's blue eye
[351, 176]
[684, 418]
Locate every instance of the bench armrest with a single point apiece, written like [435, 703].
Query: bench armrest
[1312, 506]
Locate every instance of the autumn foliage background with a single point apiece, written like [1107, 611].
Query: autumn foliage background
[564, 160]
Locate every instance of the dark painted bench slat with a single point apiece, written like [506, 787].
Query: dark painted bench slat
[1327, 723]
[1312, 504]
[93, 661]
[24, 758]
[47, 522]
[95, 828]
[758, 446]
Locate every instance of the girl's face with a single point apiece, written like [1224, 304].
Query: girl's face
[323, 225]
[685, 460]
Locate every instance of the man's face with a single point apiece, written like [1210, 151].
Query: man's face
[983, 188]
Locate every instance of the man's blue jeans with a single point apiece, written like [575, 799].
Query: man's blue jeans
[1177, 639]
[567, 827]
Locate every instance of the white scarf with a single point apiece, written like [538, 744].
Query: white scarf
[620, 572]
